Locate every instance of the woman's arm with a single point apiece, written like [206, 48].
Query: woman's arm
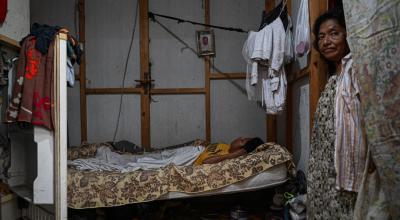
[216, 159]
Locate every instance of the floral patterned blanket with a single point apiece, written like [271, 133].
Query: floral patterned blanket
[88, 189]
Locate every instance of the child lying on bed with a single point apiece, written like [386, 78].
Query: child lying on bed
[215, 153]
[107, 160]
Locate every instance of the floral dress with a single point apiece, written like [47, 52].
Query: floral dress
[324, 201]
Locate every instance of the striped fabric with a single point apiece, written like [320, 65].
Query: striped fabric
[350, 146]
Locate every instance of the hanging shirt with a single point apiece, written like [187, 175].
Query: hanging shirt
[266, 79]
[350, 145]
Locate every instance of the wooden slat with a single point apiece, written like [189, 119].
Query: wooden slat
[297, 75]
[270, 119]
[100, 91]
[4, 40]
[289, 117]
[219, 76]
[207, 76]
[177, 91]
[82, 71]
[144, 71]
[289, 100]
[318, 71]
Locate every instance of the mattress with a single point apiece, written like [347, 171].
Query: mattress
[267, 166]
[274, 176]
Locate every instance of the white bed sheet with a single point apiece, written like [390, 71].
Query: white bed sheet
[272, 177]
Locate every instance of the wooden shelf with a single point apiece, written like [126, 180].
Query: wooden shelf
[4, 40]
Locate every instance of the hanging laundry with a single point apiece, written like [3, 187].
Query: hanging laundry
[289, 51]
[32, 98]
[302, 36]
[3, 10]
[70, 73]
[264, 52]
[44, 36]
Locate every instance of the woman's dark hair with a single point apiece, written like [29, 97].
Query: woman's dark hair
[335, 14]
[252, 144]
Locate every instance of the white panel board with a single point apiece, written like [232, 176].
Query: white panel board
[237, 14]
[173, 65]
[43, 190]
[301, 123]
[16, 24]
[109, 27]
[176, 119]
[233, 115]
[102, 118]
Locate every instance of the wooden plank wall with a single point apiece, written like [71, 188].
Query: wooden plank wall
[317, 80]
[82, 71]
[271, 119]
[318, 71]
[144, 72]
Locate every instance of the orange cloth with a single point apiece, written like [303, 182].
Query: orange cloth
[212, 150]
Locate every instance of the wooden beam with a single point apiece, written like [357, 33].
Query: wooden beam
[289, 99]
[219, 76]
[207, 76]
[144, 72]
[6, 41]
[82, 71]
[271, 119]
[289, 117]
[297, 75]
[103, 91]
[318, 70]
[178, 91]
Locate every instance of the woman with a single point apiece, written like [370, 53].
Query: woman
[338, 149]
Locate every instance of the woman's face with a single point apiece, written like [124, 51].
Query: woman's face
[332, 40]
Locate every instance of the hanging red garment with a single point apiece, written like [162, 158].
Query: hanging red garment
[32, 97]
[3, 10]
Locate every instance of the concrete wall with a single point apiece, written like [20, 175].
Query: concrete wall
[16, 24]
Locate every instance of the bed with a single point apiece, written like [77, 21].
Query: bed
[267, 166]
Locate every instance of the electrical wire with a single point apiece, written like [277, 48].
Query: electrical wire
[125, 70]
[180, 20]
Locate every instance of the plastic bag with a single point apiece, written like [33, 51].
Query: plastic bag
[289, 53]
[302, 36]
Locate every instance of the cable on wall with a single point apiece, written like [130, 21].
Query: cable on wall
[125, 70]
[180, 20]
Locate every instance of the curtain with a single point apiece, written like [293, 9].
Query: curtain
[373, 35]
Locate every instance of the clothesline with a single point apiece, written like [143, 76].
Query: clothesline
[180, 20]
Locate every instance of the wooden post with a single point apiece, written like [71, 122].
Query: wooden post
[144, 71]
[82, 71]
[270, 119]
[289, 99]
[318, 70]
[207, 76]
